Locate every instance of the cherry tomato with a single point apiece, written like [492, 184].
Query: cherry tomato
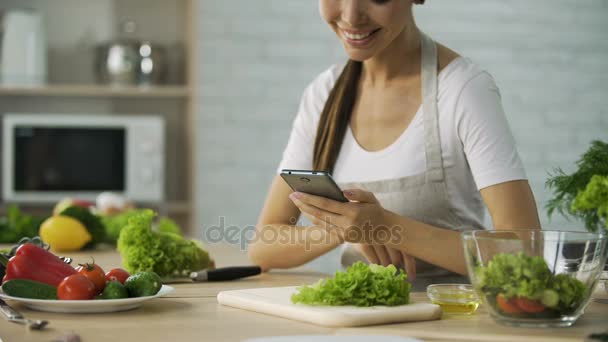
[507, 306]
[95, 275]
[529, 305]
[117, 274]
[76, 287]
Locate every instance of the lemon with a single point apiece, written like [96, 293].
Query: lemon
[64, 233]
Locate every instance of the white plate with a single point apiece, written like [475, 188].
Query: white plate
[87, 306]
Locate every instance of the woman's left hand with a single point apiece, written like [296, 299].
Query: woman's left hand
[362, 220]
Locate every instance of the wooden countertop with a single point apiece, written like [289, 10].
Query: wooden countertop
[191, 313]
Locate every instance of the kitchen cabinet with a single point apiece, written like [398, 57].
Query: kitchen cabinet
[74, 28]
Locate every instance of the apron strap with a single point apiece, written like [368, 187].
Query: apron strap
[432, 142]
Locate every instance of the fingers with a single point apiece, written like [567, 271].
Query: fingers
[314, 211]
[360, 196]
[396, 257]
[321, 202]
[382, 254]
[410, 266]
[369, 253]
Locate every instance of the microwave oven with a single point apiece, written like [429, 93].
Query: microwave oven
[47, 157]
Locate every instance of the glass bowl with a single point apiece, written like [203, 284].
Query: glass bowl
[534, 278]
[459, 299]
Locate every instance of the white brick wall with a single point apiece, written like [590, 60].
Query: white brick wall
[549, 57]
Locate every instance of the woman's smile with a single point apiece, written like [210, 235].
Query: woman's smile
[359, 38]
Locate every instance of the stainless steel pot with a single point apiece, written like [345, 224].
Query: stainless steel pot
[130, 62]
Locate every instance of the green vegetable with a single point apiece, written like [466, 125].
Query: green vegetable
[115, 223]
[167, 254]
[571, 292]
[91, 222]
[114, 290]
[26, 288]
[143, 284]
[360, 285]
[522, 276]
[167, 225]
[550, 298]
[17, 225]
[515, 275]
[567, 187]
[594, 197]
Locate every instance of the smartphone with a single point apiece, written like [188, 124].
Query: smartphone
[317, 183]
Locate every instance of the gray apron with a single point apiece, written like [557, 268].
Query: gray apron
[422, 197]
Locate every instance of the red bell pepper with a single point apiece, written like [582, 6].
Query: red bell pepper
[36, 263]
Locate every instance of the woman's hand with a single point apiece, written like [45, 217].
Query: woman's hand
[360, 221]
[382, 255]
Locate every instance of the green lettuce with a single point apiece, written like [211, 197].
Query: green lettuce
[515, 275]
[166, 254]
[115, 223]
[571, 292]
[360, 285]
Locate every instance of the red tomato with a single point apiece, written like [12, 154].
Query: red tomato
[529, 305]
[117, 274]
[76, 287]
[507, 306]
[95, 275]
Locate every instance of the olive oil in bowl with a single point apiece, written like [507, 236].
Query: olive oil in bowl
[459, 299]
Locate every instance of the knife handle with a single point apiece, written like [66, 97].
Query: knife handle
[9, 312]
[231, 273]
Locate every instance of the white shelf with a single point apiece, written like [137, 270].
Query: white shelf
[93, 90]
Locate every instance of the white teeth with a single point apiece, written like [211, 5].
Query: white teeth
[355, 36]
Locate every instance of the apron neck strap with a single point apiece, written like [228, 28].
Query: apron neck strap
[432, 142]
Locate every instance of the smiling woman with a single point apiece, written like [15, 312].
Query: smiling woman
[416, 136]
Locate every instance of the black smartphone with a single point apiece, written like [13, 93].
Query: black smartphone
[317, 183]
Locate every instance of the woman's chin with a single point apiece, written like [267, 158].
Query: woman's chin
[359, 56]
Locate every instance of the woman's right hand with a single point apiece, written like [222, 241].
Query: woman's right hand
[382, 255]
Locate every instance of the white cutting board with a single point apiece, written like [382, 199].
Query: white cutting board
[277, 301]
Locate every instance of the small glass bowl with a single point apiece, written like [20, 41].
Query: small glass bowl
[459, 299]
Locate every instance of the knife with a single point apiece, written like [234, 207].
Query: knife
[219, 274]
[226, 273]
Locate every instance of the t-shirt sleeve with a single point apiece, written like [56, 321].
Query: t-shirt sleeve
[298, 153]
[484, 131]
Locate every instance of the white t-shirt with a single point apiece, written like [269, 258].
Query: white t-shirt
[477, 146]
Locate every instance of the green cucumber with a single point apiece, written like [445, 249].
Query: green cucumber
[550, 298]
[26, 288]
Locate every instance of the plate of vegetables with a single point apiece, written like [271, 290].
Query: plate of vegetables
[42, 281]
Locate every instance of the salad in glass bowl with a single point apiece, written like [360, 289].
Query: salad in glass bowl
[534, 278]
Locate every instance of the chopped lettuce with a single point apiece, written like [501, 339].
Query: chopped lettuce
[522, 276]
[515, 275]
[570, 291]
[360, 285]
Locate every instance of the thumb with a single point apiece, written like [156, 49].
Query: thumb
[360, 196]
